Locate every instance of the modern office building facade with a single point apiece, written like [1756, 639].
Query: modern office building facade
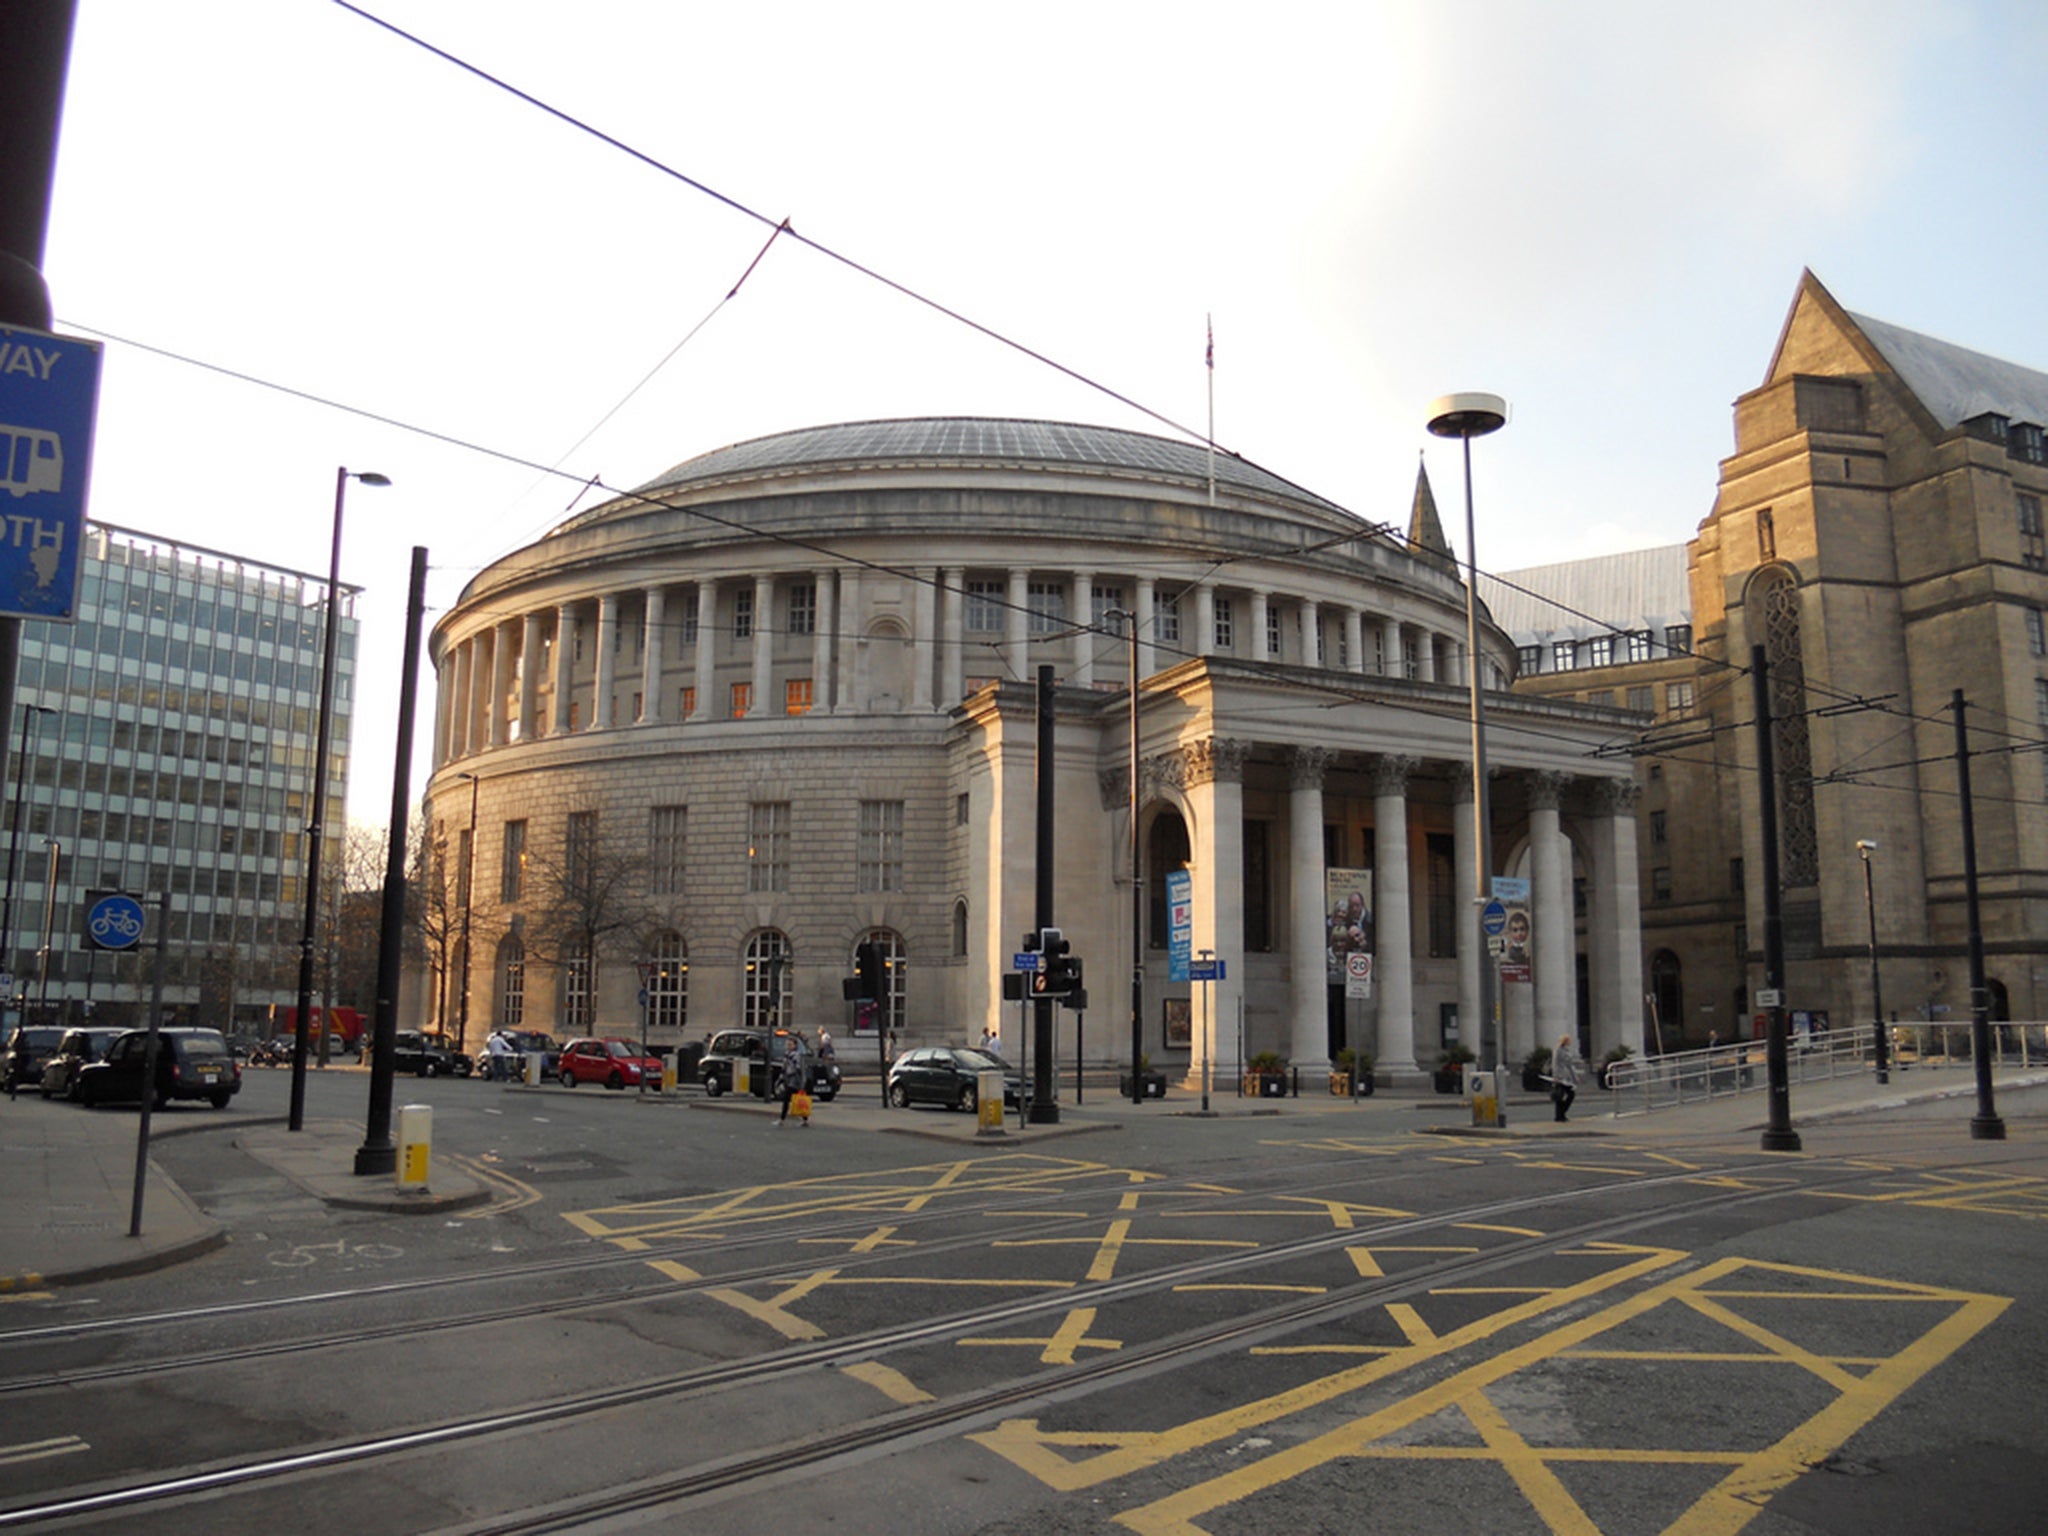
[696, 745]
[164, 746]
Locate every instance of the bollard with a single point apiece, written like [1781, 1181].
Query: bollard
[988, 1102]
[1483, 1088]
[668, 1074]
[415, 1145]
[742, 1076]
[530, 1065]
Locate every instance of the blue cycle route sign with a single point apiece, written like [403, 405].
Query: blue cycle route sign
[49, 396]
[115, 922]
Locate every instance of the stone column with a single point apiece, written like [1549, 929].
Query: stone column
[851, 624]
[1205, 622]
[1392, 918]
[764, 647]
[498, 724]
[923, 638]
[1148, 616]
[1085, 641]
[1311, 634]
[607, 661]
[529, 678]
[821, 642]
[1425, 657]
[708, 705]
[1354, 639]
[1259, 620]
[1390, 648]
[1213, 776]
[1017, 628]
[1553, 956]
[459, 714]
[1308, 938]
[565, 666]
[1616, 950]
[1471, 947]
[653, 632]
[952, 670]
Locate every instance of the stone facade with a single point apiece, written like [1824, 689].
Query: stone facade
[781, 700]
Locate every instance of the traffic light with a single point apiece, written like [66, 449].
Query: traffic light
[870, 971]
[1057, 971]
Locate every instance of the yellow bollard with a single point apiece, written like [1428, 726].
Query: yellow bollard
[988, 1089]
[415, 1145]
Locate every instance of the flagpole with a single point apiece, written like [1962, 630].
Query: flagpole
[1211, 357]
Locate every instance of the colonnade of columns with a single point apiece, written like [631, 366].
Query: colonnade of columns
[517, 678]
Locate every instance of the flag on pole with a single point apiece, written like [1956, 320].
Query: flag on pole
[1210, 320]
[1212, 344]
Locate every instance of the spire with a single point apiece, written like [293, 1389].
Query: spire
[1425, 528]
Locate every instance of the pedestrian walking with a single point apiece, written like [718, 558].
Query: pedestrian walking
[826, 1050]
[796, 1080]
[991, 1041]
[499, 1052]
[1564, 1077]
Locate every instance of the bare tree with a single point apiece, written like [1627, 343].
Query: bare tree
[589, 903]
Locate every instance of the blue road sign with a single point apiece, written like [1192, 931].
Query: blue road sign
[1024, 960]
[49, 396]
[1493, 917]
[1206, 970]
[115, 922]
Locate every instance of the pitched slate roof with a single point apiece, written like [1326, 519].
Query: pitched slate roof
[1637, 589]
[1954, 383]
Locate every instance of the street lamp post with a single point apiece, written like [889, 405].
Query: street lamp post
[316, 829]
[24, 769]
[1130, 621]
[1466, 416]
[1865, 847]
[468, 901]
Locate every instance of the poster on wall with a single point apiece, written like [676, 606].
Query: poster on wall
[1180, 1023]
[1349, 922]
[1516, 934]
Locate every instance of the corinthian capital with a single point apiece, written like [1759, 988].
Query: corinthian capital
[1218, 758]
[1307, 765]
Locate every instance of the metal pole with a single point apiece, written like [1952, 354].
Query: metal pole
[24, 766]
[1208, 1036]
[149, 1054]
[1884, 1075]
[1137, 890]
[1482, 809]
[468, 901]
[55, 851]
[1778, 1133]
[1985, 1125]
[1045, 1109]
[378, 1153]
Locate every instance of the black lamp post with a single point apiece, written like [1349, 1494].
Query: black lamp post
[1466, 416]
[1865, 847]
[316, 829]
[468, 901]
[1130, 620]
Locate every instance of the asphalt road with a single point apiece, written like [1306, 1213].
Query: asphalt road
[672, 1316]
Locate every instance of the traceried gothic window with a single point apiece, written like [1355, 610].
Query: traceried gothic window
[1798, 842]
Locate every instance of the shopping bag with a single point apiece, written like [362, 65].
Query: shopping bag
[800, 1104]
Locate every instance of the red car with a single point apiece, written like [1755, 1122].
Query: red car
[611, 1062]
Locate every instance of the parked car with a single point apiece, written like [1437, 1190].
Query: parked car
[524, 1042]
[79, 1048]
[613, 1062]
[425, 1055]
[947, 1074]
[764, 1050]
[29, 1050]
[190, 1064]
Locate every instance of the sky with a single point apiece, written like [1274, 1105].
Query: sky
[1599, 209]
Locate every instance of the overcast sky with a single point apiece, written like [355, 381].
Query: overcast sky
[1599, 210]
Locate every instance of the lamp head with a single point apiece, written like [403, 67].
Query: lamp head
[1866, 846]
[1471, 414]
[371, 477]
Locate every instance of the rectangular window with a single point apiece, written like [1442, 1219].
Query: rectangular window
[1048, 607]
[689, 703]
[1272, 631]
[2037, 633]
[961, 813]
[578, 988]
[1639, 645]
[1658, 828]
[1564, 656]
[690, 619]
[1600, 651]
[742, 700]
[880, 853]
[512, 877]
[1678, 697]
[1735, 876]
[796, 696]
[803, 609]
[1226, 631]
[985, 607]
[1643, 698]
[2041, 716]
[1166, 619]
[579, 854]
[1678, 639]
[465, 856]
[768, 845]
[1603, 697]
[666, 829]
[1660, 883]
[1258, 889]
[743, 614]
[1529, 660]
[1443, 896]
[1101, 600]
[2033, 551]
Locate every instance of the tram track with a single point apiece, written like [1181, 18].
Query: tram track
[961, 1410]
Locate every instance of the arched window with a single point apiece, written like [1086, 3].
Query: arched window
[1165, 850]
[959, 930]
[895, 968]
[511, 984]
[1667, 996]
[768, 982]
[579, 988]
[668, 982]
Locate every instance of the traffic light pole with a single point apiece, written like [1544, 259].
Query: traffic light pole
[1045, 1109]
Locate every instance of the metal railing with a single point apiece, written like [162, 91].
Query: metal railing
[1643, 1084]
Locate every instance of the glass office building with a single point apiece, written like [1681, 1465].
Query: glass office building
[163, 745]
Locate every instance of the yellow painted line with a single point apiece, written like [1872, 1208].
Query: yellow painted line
[674, 1270]
[1103, 1266]
[888, 1381]
[1556, 1508]
[514, 1194]
[1011, 1285]
[881, 1237]
[11, 1295]
[1667, 1159]
[1324, 1349]
[1021, 1442]
[1298, 1290]
[1409, 1321]
[1478, 1226]
[41, 1450]
[1709, 1356]
[1071, 1335]
[1490, 1290]
[774, 1310]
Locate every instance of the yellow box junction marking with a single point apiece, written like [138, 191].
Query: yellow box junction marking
[1863, 1388]
[1071, 1335]
[1991, 1194]
[889, 1381]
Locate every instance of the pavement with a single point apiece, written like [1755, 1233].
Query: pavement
[68, 1214]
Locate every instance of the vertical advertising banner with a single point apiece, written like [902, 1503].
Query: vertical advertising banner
[1517, 935]
[1180, 923]
[1350, 920]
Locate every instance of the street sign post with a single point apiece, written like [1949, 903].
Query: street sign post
[49, 396]
[114, 922]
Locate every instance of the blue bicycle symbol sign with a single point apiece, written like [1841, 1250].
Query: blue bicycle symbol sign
[115, 922]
